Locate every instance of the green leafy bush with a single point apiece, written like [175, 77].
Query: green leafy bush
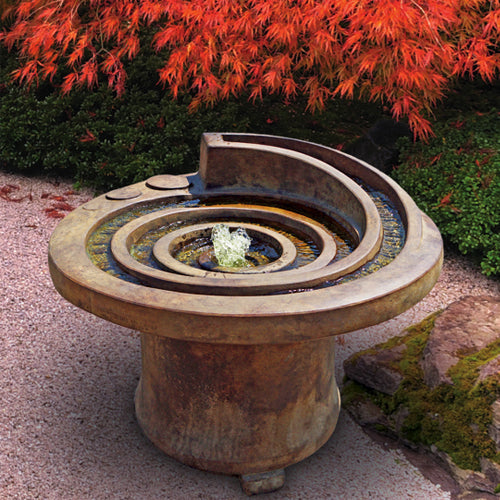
[455, 179]
[99, 140]
[103, 141]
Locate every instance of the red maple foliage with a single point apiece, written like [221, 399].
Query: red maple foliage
[401, 52]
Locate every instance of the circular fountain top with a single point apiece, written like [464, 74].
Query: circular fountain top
[318, 208]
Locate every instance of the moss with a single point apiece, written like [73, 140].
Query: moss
[466, 371]
[415, 339]
[352, 392]
[381, 428]
[455, 418]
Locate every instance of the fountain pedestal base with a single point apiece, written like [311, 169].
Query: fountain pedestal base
[238, 409]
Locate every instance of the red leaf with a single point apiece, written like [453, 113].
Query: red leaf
[54, 214]
[5, 193]
[436, 158]
[445, 200]
[458, 124]
[160, 123]
[87, 137]
[62, 205]
[403, 54]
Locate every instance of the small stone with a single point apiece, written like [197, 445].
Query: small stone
[399, 418]
[477, 481]
[367, 413]
[263, 482]
[491, 470]
[490, 369]
[468, 480]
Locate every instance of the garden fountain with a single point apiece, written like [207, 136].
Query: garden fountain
[238, 363]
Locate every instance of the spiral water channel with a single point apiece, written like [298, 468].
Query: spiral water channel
[307, 251]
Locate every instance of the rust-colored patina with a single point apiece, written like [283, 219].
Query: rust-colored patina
[249, 408]
[238, 367]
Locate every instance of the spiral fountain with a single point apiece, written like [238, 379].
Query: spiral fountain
[238, 362]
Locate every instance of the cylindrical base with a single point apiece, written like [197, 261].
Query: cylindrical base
[237, 409]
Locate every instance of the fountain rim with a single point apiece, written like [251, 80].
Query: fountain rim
[366, 249]
[277, 315]
[341, 301]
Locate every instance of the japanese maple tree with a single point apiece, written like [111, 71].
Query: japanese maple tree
[401, 52]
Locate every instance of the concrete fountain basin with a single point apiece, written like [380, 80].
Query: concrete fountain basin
[238, 367]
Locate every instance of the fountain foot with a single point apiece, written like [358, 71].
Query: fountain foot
[263, 482]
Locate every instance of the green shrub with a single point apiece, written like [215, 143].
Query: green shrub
[105, 142]
[455, 179]
[102, 141]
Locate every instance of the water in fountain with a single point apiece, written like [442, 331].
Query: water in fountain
[230, 247]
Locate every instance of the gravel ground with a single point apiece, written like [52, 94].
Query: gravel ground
[67, 381]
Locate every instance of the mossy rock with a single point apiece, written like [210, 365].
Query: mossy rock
[455, 419]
